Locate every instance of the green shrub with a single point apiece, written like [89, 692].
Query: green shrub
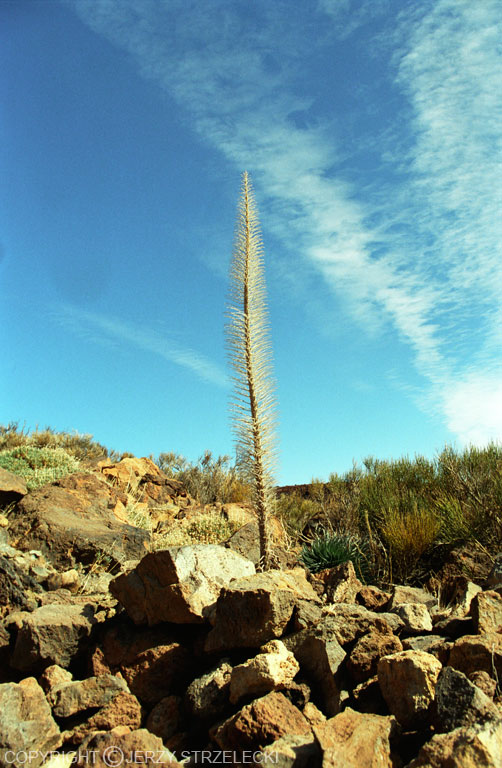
[79, 446]
[295, 512]
[210, 480]
[38, 466]
[329, 551]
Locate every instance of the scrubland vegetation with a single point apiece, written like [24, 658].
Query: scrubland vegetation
[397, 520]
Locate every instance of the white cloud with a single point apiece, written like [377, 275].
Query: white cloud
[105, 328]
[440, 232]
[473, 408]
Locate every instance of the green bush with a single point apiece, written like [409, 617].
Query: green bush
[210, 480]
[79, 446]
[332, 550]
[295, 512]
[38, 466]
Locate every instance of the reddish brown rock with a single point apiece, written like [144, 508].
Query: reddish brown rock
[149, 484]
[368, 650]
[53, 676]
[340, 583]
[26, 722]
[118, 745]
[272, 668]
[166, 718]
[484, 682]
[67, 698]
[260, 723]
[408, 680]
[52, 634]
[256, 609]
[477, 746]
[123, 710]
[180, 584]
[352, 740]
[72, 521]
[373, 598]
[157, 672]
[12, 487]
[486, 612]
[478, 653]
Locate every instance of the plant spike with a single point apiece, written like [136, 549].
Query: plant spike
[250, 354]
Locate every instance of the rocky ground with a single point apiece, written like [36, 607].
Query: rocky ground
[187, 654]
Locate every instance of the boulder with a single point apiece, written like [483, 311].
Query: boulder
[157, 672]
[52, 634]
[486, 612]
[115, 747]
[401, 594]
[373, 598]
[259, 723]
[458, 592]
[54, 676]
[339, 584]
[435, 644]
[476, 746]
[408, 680]
[246, 542]
[12, 487]
[255, 609]
[321, 657]
[348, 622]
[26, 723]
[458, 702]
[483, 681]
[272, 668]
[494, 578]
[180, 584]
[166, 718]
[416, 618]
[208, 695]
[368, 650]
[352, 740]
[68, 698]
[292, 751]
[73, 520]
[19, 590]
[143, 479]
[122, 711]
[478, 653]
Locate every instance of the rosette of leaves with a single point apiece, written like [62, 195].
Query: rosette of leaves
[331, 550]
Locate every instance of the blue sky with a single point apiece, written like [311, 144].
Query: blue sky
[372, 132]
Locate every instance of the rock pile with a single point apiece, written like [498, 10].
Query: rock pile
[190, 655]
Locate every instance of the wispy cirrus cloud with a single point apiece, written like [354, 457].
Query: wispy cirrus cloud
[108, 329]
[420, 255]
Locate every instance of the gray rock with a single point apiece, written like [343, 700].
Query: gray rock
[180, 584]
[207, 696]
[416, 618]
[52, 634]
[255, 609]
[458, 702]
[26, 723]
[68, 698]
